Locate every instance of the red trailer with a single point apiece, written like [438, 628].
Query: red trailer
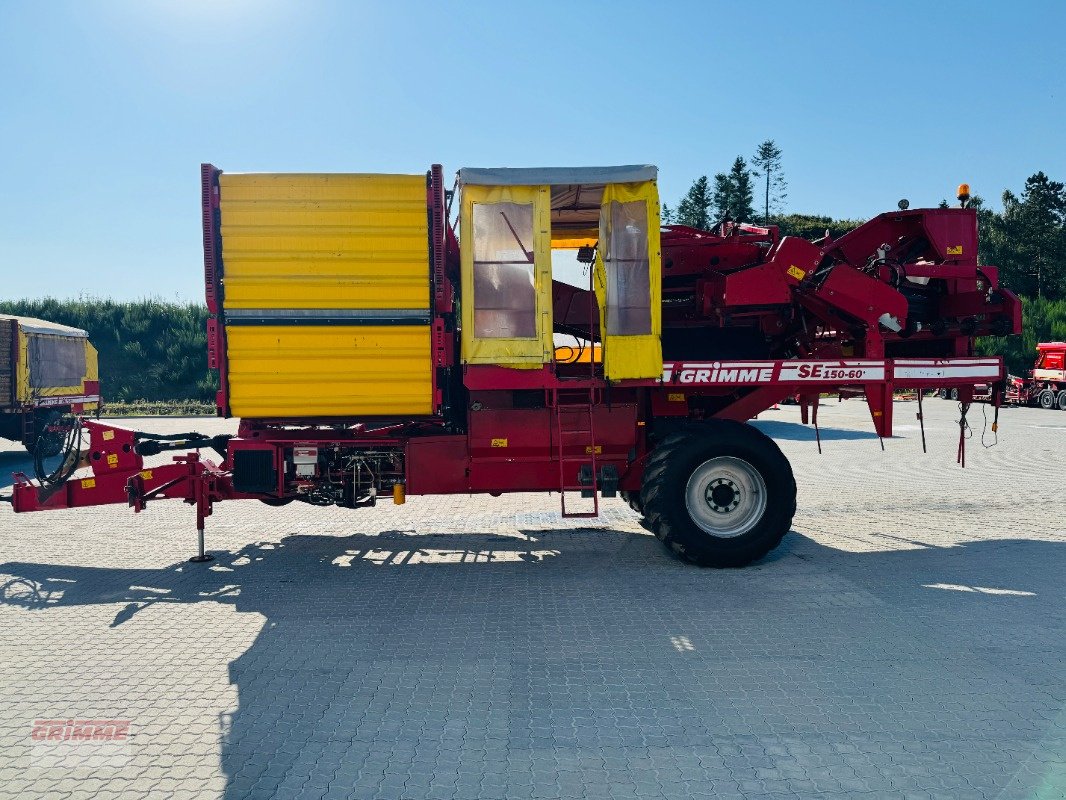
[372, 351]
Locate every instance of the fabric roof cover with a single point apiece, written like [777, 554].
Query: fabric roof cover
[556, 176]
[576, 193]
[34, 325]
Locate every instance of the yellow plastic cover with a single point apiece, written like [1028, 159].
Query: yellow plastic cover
[330, 241]
[329, 371]
[54, 366]
[506, 275]
[628, 281]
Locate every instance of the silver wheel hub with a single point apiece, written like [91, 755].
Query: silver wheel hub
[725, 496]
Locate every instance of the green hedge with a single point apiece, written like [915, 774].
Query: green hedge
[149, 349]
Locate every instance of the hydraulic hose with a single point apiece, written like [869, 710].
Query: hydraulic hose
[70, 454]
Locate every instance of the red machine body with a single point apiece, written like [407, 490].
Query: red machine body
[749, 318]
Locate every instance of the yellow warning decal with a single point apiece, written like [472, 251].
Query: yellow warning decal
[112, 459]
[676, 397]
[499, 443]
[88, 483]
[955, 251]
[588, 450]
[109, 435]
[797, 273]
[146, 474]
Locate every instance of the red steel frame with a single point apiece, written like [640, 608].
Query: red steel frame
[503, 448]
[441, 463]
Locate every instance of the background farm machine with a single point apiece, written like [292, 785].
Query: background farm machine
[371, 351]
[47, 370]
[1045, 386]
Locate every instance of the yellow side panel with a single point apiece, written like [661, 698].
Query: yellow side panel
[92, 362]
[22, 374]
[324, 241]
[329, 371]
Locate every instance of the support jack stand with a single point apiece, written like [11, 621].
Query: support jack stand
[201, 557]
[203, 509]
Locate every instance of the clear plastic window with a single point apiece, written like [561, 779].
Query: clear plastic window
[627, 265]
[56, 361]
[505, 298]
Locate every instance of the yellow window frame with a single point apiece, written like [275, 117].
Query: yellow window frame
[632, 356]
[525, 353]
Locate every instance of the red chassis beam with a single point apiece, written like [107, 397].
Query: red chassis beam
[118, 474]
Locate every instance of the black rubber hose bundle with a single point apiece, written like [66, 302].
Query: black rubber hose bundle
[70, 455]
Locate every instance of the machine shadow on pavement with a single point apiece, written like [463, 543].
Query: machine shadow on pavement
[405, 663]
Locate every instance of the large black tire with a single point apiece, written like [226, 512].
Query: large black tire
[1047, 399]
[633, 499]
[1061, 402]
[737, 483]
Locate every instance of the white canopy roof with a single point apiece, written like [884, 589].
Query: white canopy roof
[556, 176]
[34, 325]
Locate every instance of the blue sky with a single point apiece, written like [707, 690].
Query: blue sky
[108, 108]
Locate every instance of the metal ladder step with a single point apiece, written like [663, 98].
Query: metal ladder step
[570, 436]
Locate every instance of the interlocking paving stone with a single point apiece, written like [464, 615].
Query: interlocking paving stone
[908, 638]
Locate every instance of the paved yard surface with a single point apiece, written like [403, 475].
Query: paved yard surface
[907, 639]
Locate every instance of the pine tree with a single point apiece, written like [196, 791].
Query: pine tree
[733, 193]
[722, 199]
[742, 205]
[693, 210]
[767, 164]
[1027, 241]
[666, 215]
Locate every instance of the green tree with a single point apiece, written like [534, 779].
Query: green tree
[666, 214]
[722, 197]
[734, 194]
[1027, 241]
[813, 226]
[1043, 320]
[767, 164]
[694, 208]
[743, 191]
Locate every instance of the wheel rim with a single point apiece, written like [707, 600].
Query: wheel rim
[725, 496]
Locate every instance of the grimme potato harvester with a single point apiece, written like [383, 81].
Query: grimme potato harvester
[373, 349]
